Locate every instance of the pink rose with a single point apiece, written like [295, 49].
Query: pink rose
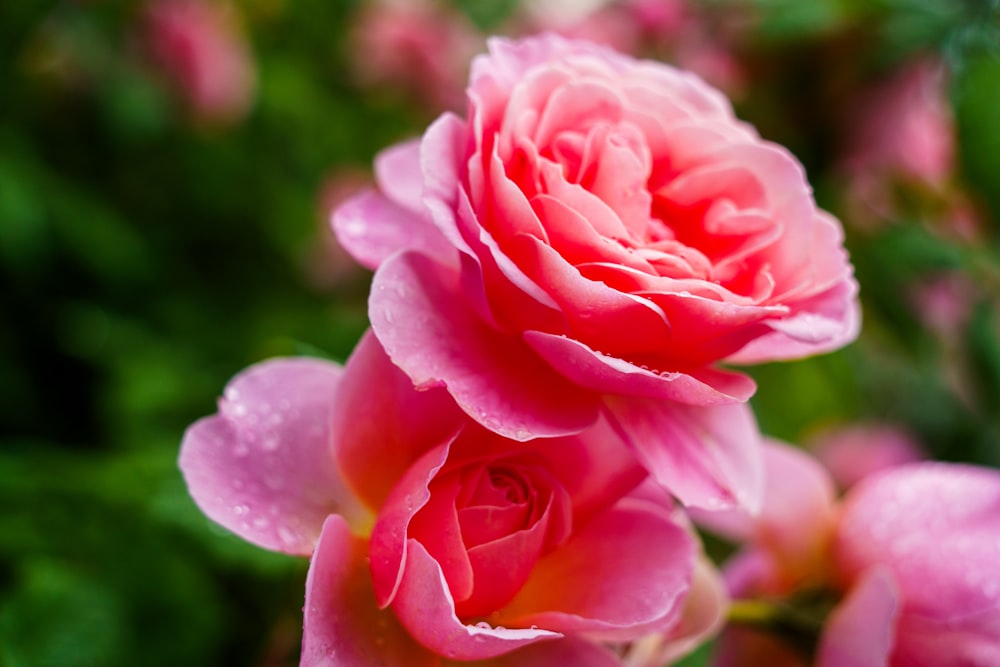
[595, 237]
[197, 45]
[910, 555]
[919, 545]
[432, 538]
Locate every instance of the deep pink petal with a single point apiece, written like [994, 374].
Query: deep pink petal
[389, 536]
[342, 625]
[264, 467]
[624, 574]
[425, 607]
[708, 457]
[381, 424]
[418, 314]
[611, 375]
[859, 632]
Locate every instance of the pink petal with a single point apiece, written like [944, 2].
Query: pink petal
[372, 227]
[418, 314]
[935, 527]
[859, 632]
[558, 652]
[263, 467]
[708, 457]
[612, 375]
[342, 625]
[425, 607]
[625, 573]
[796, 515]
[388, 540]
[399, 174]
[381, 424]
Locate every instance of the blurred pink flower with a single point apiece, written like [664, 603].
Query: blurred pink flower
[904, 126]
[857, 451]
[592, 240]
[912, 551]
[432, 539]
[420, 46]
[918, 548]
[198, 46]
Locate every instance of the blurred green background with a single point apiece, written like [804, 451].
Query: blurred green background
[149, 251]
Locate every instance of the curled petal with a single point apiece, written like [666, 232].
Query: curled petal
[342, 625]
[426, 609]
[264, 467]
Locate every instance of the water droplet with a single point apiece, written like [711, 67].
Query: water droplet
[239, 410]
[270, 442]
[286, 536]
[388, 316]
[231, 394]
[240, 510]
[260, 522]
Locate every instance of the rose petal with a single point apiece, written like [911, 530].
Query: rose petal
[342, 626]
[622, 575]
[707, 456]
[389, 536]
[381, 424]
[859, 632]
[796, 515]
[935, 526]
[495, 378]
[611, 375]
[263, 467]
[425, 607]
[371, 227]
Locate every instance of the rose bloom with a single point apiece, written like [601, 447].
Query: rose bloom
[198, 47]
[910, 555]
[593, 238]
[433, 539]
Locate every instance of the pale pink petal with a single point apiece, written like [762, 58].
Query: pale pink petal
[935, 526]
[371, 227]
[822, 324]
[859, 632]
[399, 174]
[264, 467]
[419, 316]
[708, 457]
[342, 625]
[381, 424]
[426, 609]
[612, 375]
[796, 515]
[624, 574]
